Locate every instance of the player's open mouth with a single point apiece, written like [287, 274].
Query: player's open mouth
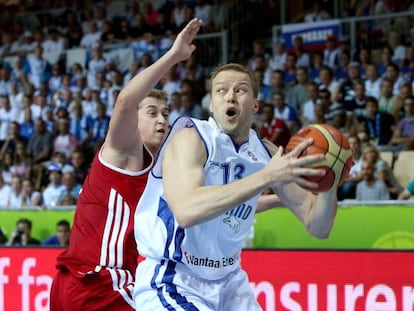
[231, 112]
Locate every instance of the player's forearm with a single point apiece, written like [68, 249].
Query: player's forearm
[266, 202]
[315, 211]
[138, 88]
[181, 49]
[322, 211]
[207, 202]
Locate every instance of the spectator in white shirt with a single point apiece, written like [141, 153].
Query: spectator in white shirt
[302, 56]
[15, 198]
[56, 80]
[6, 81]
[50, 195]
[5, 191]
[54, 42]
[92, 38]
[317, 14]
[278, 60]
[399, 50]
[96, 65]
[307, 111]
[373, 81]
[64, 141]
[8, 114]
[327, 81]
[7, 44]
[16, 96]
[30, 196]
[331, 53]
[371, 188]
[39, 67]
[28, 44]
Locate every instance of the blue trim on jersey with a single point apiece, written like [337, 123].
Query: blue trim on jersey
[180, 123]
[168, 280]
[236, 146]
[179, 237]
[204, 142]
[165, 214]
[170, 288]
[166, 139]
[159, 290]
[264, 145]
[156, 273]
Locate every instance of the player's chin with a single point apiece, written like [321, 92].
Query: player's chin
[231, 119]
[159, 137]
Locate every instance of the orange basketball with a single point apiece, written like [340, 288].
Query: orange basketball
[338, 155]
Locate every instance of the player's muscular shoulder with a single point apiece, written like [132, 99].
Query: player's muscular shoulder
[188, 143]
[187, 138]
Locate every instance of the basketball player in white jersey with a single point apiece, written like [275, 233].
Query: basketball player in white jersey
[201, 197]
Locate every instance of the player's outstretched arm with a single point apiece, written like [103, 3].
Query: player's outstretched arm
[316, 211]
[184, 181]
[123, 139]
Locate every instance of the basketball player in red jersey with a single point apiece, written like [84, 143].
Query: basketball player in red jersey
[97, 270]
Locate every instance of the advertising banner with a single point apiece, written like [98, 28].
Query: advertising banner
[281, 280]
[355, 227]
[314, 34]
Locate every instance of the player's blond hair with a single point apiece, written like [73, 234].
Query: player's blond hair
[242, 69]
[158, 94]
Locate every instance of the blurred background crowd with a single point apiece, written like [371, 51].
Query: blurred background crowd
[63, 63]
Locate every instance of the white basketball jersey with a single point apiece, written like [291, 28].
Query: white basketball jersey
[211, 249]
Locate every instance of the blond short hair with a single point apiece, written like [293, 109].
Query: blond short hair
[158, 94]
[371, 148]
[239, 68]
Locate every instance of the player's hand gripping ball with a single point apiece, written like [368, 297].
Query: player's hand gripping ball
[338, 154]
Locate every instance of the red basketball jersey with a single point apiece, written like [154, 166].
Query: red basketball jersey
[102, 236]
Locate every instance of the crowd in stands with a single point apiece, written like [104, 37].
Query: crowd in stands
[53, 118]
[22, 235]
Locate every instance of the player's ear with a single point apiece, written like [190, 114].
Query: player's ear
[256, 105]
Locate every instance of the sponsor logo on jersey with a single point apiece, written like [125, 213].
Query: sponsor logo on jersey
[209, 262]
[251, 155]
[233, 223]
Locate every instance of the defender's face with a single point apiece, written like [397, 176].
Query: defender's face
[233, 103]
[153, 121]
